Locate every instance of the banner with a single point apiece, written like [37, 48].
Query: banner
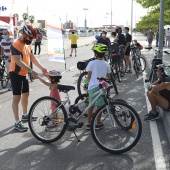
[55, 41]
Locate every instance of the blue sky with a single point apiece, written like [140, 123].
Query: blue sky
[98, 13]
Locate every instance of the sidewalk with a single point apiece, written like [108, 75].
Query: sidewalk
[165, 115]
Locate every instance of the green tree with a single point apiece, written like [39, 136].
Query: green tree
[31, 19]
[25, 16]
[16, 15]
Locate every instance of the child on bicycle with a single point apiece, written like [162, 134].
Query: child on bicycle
[54, 77]
[96, 68]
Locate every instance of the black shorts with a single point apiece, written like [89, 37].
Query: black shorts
[73, 45]
[127, 51]
[19, 83]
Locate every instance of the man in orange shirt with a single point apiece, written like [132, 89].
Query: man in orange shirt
[21, 56]
[73, 37]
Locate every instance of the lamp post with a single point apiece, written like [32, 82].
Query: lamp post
[111, 14]
[131, 16]
[85, 21]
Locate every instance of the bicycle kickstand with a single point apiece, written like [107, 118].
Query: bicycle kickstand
[77, 137]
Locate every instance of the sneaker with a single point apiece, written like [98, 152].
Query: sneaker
[10, 89]
[75, 55]
[129, 71]
[88, 126]
[25, 118]
[152, 116]
[99, 126]
[20, 126]
[70, 55]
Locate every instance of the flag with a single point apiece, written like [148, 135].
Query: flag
[55, 41]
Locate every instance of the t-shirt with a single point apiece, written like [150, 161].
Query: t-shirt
[19, 48]
[105, 41]
[99, 68]
[128, 38]
[121, 38]
[39, 39]
[150, 34]
[6, 45]
[167, 32]
[73, 38]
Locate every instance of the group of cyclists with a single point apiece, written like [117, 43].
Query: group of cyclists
[120, 40]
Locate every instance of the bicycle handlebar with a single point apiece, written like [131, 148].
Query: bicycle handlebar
[102, 78]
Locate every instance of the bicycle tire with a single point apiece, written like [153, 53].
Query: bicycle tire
[39, 128]
[118, 71]
[83, 105]
[5, 80]
[140, 62]
[114, 83]
[82, 87]
[105, 138]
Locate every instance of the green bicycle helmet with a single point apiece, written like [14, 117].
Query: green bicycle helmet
[100, 48]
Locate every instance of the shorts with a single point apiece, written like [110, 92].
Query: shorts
[127, 51]
[100, 101]
[19, 83]
[73, 45]
[150, 40]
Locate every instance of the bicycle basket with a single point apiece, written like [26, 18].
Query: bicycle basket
[81, 65]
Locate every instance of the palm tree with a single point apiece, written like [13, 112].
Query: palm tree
[25, 16]
[16, 15]
[31, 19]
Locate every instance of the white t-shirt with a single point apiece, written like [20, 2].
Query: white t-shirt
[99, 68]
[167, 32]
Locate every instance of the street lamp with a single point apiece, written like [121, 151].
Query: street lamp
[131, 16]
[85, 21]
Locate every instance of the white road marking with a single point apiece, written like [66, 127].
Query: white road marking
[157, 148]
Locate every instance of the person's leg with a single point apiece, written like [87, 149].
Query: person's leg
[15, 106]
[35, 48]
[39, 48]
[127, 62]
[156, 99]
[24, 102]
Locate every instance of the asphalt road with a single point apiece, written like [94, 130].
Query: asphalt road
[22, 151]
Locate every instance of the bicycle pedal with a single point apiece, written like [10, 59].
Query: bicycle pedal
[80, 125]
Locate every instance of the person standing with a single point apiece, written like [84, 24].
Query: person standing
[38, 43]
[128, 39]
[21, 56]
[167, 34]
[5, 44]
[73, 37]
[104, 39]
[150, 38]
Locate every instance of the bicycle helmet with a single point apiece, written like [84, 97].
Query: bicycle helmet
[100, 48]
[97, 36]
[29, 31]
[54, 73]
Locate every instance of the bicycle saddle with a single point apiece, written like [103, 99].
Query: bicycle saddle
[63, 87]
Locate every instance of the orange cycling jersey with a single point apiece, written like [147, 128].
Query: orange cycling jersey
[19, 48]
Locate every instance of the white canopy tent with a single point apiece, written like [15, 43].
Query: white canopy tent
[4, 25]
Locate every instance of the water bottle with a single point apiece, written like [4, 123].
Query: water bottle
[147, 84]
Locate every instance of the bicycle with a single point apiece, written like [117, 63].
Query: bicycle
[115, 63]
[139, 62]
[4, 76]
[82, 82]
[156, 61]
[122, 123]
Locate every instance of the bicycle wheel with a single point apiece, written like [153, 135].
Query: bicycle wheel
[84, 104]
[5, 79]
[154, 76]
[114, 139]
[113, 83]
[82, 83]
[140, 65]
[118, 74]
[50, 125]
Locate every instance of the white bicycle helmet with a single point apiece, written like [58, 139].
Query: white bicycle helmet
[29, 31]
[54, 73]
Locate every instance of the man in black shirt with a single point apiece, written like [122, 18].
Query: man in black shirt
[128, 39]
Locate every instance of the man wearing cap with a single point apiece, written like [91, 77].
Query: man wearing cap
[128, 39]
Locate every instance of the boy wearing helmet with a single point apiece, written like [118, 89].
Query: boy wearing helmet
[96, 68]
[21, 56]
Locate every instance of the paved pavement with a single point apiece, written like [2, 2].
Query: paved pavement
[85, 41]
